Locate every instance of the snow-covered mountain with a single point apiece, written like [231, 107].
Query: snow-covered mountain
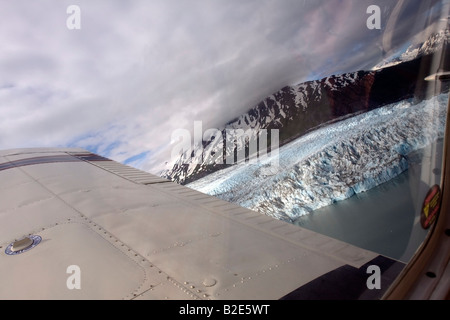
[293, 111]
[338, 136]
[298, 109]
[334, 162]
[430, 46]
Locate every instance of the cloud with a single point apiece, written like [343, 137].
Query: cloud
[138, 70]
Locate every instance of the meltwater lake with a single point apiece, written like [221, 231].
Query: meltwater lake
[386, 218]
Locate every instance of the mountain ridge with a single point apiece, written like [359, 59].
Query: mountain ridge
[297, 109]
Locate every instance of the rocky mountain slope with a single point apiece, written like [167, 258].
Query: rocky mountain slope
[299, 109]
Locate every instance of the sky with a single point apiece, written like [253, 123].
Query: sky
[133, 72]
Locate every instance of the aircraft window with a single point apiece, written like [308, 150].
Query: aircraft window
[332, 116]
[373, 175]
[396, 211]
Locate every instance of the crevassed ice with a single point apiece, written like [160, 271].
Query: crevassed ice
[332, 163]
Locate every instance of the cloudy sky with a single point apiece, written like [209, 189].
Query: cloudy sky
[138, 70]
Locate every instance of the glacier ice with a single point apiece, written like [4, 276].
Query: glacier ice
[333, 162]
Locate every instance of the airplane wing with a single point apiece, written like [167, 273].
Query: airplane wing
[75, 225]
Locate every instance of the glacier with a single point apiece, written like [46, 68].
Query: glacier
[284, 110]
[333, 162]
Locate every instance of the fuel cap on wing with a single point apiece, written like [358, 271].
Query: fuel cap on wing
[23, 245]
